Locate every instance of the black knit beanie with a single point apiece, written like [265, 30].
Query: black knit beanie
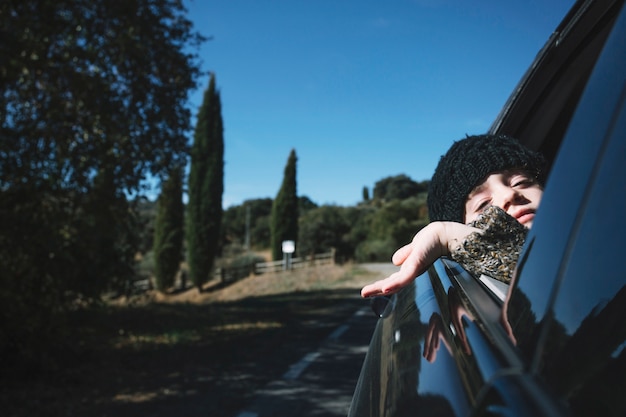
[468, 163]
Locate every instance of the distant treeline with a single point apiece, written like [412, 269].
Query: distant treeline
[369, 231]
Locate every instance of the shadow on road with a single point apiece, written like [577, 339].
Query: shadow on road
[178, 359]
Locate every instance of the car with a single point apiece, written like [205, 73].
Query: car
[553, 342]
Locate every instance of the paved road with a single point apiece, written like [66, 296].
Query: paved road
[321, 383]
[384, 269]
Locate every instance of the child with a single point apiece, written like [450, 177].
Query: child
[482, 200]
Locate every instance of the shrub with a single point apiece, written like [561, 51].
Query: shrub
[375, 250]
[241, 266]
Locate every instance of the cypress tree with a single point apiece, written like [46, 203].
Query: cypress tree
[206, 186]
[169, 231]
[284, 219]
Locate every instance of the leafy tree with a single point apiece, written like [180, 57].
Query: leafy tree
[394, 225]
[360, 219]
[93, 99]
[234, 223]
[261, 233]
[398, 187]
[169, 231]
[322, 229]
[305, 204]
[206, 186]
[398, 220]
[284, 220]
[146, 216]
[374, 250]
[92, 86]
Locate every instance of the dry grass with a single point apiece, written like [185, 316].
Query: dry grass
[326, 277]
[188, 353]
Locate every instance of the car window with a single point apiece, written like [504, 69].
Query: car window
[540, 115]
[567, 308]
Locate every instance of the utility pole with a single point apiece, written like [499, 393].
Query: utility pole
[247, 241]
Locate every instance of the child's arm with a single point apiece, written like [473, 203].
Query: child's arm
[433, 241]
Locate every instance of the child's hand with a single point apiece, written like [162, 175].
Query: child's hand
[433, 241]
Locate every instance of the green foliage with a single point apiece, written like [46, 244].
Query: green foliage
[257, 212]
[374, 251]
[382, 226]
[284, 219]
[169, 231]
[91, 86]
[260, 232]
[322, 229]
[206, 186]
[398, 187]
[145, 267]
[305, 204]
[51, 257]
[93, 99]
[388, 227]
[366, 194]
[398, 221]
[146, 215]
[246, 260]
[105, 240]
[243, 265]
[237, 262]
[360, 219]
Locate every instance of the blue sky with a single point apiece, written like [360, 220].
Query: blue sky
[361, 89]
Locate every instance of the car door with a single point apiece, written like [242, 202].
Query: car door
[566, 313]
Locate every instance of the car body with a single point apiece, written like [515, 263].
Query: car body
[553, 342]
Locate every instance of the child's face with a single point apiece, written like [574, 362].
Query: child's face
[516, 192]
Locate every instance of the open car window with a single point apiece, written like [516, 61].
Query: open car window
[543, 104]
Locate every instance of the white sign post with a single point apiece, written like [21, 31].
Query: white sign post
[289, 247]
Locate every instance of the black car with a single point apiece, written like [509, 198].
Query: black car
[553, 343]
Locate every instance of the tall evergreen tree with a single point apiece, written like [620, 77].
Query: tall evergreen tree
[206, 186]
[169, 231]
[284, 220]
[366, 194]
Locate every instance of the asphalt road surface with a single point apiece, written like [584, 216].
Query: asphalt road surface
[322, 382]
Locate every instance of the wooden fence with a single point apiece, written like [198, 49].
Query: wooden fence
[295, 263]
[144, 283]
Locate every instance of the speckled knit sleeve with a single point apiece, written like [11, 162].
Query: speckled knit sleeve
[496, 250]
